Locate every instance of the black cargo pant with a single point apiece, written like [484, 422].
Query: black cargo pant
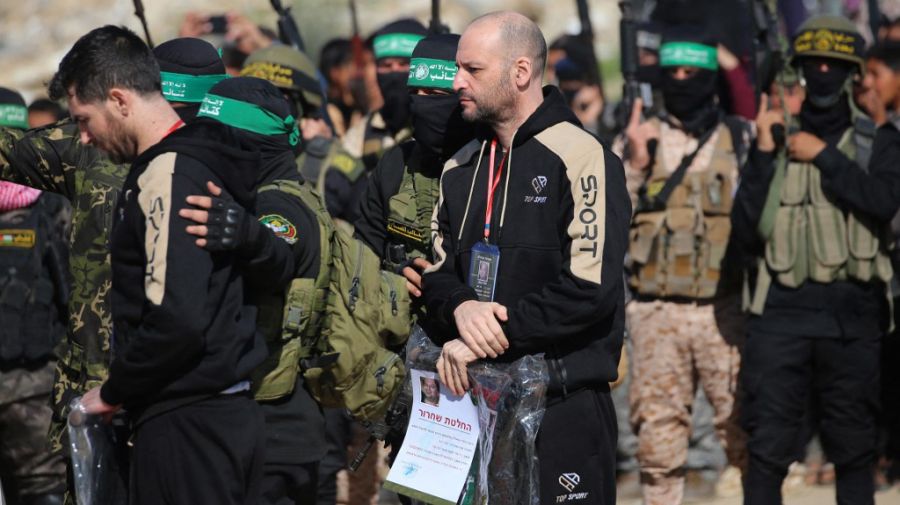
[780, 375]
[576, 449]
[211, 451]
[337, 433]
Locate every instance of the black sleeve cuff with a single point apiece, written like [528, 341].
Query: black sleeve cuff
[830, 161]
[457, 298]
[255, 241]
[111, 394]
[761, 166]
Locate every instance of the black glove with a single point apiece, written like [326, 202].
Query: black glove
[230, 227]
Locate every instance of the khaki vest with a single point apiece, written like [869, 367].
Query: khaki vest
[679, 251]
[409, 218]
[813, 239]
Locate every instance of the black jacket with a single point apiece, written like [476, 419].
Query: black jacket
[183, 330]
[562, 245]
[843, 308]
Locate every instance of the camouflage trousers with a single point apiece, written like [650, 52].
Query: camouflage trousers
[27, 465]
[678, 347]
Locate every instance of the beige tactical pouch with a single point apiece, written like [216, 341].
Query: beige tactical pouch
[786, 251]
[645, 253]
[796, 184]
[712, 254]
[828, 242]
[863, 247]
[681, 253]
[716, 194]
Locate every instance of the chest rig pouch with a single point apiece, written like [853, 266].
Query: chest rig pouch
[409, 219]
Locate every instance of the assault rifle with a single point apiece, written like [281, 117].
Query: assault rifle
[139, 12]
[358, 80]
[587, 39]
[435, 26]
[628, 39]
[391, 428]
[288, 31]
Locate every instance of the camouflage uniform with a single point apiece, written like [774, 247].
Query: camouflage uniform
[54, 159]
[682, 342]
[24, 419]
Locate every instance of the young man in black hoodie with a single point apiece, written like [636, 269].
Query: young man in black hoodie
[185, 337]
[531, 230]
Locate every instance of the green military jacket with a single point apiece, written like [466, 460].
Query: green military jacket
[54, 159]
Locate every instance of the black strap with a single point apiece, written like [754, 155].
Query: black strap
[863, 139]
[658, 201]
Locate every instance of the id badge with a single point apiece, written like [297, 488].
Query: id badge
[483, 270]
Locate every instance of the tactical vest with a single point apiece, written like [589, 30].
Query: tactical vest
[31, 325]
[409, 219]
[679, 251]
[809, 237]
[292, 323]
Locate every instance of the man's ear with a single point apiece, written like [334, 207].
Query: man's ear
[121, 101]
[524, 71]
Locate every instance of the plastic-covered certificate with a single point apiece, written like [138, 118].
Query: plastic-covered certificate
[439, 446]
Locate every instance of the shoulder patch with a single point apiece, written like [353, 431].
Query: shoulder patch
[17, 238]
[282, 228]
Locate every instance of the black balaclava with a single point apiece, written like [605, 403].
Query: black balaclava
[395, 110]
[693, 100]
[437, 120]
[191, 57]
[278, 158]
[826, 111]
[568, 70]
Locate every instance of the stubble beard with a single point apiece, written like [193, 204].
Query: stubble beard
[119, 146]
[495, 106]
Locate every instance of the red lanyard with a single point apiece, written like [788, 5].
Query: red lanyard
[178, 124]
[493, 181]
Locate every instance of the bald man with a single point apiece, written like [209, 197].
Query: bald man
[530, 235]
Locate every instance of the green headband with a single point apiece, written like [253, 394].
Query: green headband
[186, 87]
[14, 116]
[395, 45]
[248, 116]
[688, 54]
[431, 73]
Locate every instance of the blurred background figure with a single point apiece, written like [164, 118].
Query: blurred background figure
[44, 111]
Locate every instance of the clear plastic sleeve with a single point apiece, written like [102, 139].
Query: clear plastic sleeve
[510, 398]
[96, 460]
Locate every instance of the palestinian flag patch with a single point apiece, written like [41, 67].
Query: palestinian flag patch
[282, 228]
